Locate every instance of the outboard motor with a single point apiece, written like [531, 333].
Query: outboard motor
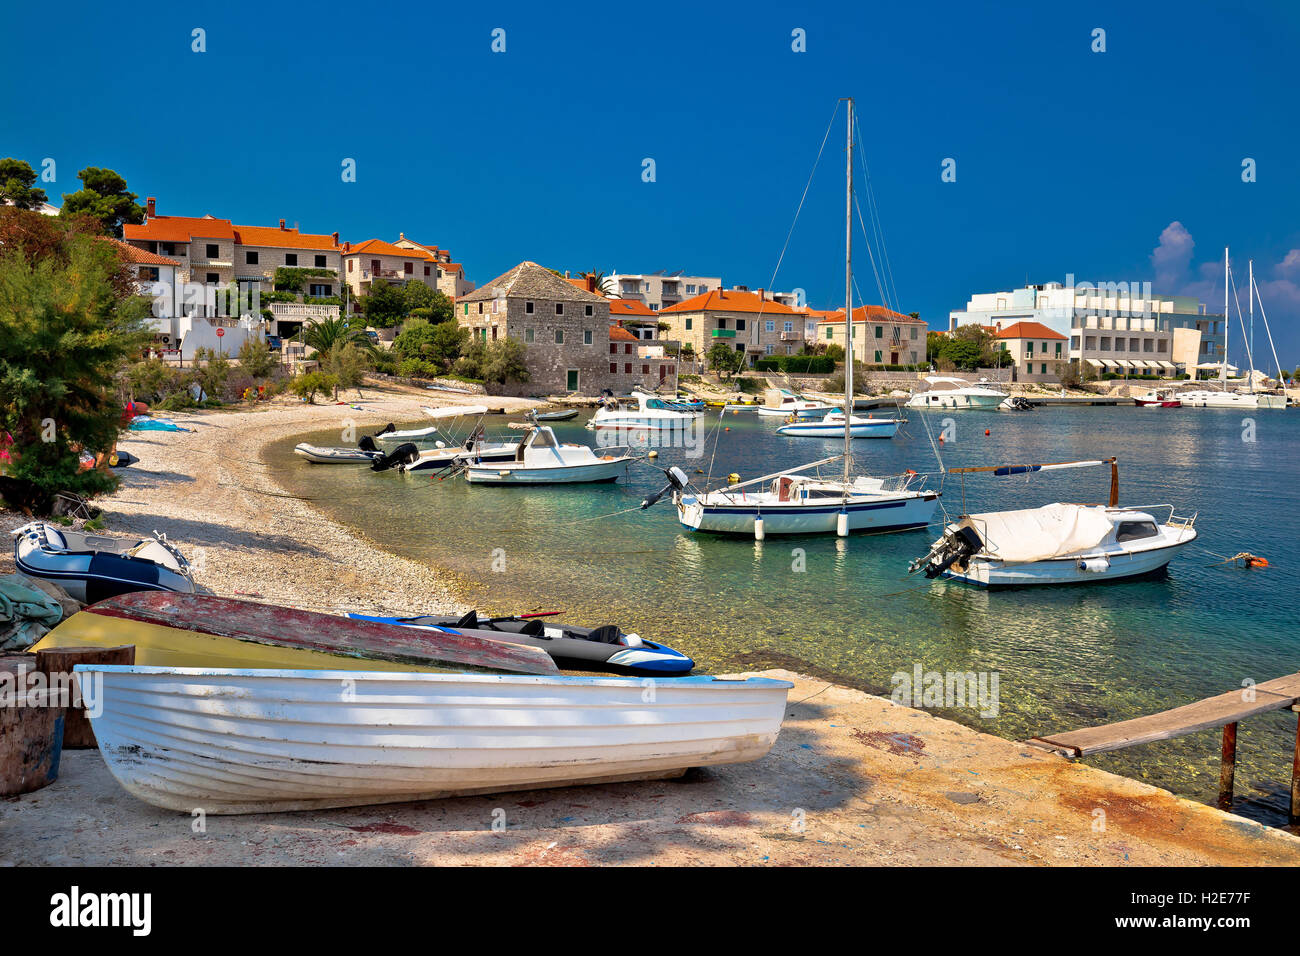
[403, 454]
[677, 481]
[367, 442]
[954, 546]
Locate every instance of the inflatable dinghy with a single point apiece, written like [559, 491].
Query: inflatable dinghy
[94, 567]
[577, 648]
[563, 416]
[335, 456]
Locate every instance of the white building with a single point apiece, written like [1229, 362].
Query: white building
[659, 290]
[1114, 326]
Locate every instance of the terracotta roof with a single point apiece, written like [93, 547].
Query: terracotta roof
[873, 313]
[529, 280]
[731, 300]
[1028, 330]
[619, 334]
[139, 256]
[275, 237]
[630, 307]
[179, 229]
[378, 247]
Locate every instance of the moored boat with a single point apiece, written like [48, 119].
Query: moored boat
[782, 403]
[642, 412]
[541, 459]
[335, 455]
[256, 741]
[956, 393]
[1057, 543]
[1156, 398]
[832, 426]
[92, 567]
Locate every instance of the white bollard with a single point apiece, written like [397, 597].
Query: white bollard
[842, 524]
[758, 529]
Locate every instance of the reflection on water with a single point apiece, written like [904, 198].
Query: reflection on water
[848, 609]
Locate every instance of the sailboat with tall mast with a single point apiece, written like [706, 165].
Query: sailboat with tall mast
[794, 502]
[1222, 397]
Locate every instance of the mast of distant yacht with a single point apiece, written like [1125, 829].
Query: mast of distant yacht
[848, 300]
[1227, 325]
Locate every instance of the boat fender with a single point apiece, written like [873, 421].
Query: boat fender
[733, 478]
[1093, 565]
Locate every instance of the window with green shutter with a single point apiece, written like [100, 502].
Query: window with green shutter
[830, 333]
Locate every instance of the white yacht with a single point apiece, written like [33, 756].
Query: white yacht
[642, 412]
[957, 393]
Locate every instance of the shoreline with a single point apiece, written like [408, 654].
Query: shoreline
[869, 781]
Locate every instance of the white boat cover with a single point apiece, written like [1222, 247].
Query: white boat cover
[1036, 534]
[455, 411]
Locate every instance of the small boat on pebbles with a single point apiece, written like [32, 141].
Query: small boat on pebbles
[577, 648]
[234, 740]
[92, 567]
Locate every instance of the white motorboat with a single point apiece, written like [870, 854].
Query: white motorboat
[832, 426]
[410, 457]
[541, 459]
[788, 502]
[1057, 543]
[394, 436]
[643, 412]
[337, 455]
[257, 741]
[956, 393]
[95, 567]
[782, 402]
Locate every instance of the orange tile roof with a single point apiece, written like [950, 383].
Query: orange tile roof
[731, 300]
[1028, 330]
[619, 334]
[179, 229]
[872, 313]
[378, 247]
[140, 256]
[277, 238]
[630, 307]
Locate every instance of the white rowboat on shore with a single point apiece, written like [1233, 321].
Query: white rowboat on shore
[256, 741]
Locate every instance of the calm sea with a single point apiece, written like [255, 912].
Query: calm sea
[847, 609]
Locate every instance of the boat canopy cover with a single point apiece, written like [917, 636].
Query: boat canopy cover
[1036, 534]
[455, 411]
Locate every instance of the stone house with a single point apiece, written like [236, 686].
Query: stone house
[881, 336]
[750, 322]
[570, 345]
[1034, 350]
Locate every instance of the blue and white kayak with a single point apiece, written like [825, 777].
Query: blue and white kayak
[577, 648]
[832, 426]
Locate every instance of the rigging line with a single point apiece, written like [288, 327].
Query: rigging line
[1280, 380]
[1250, 359]
[799, 209]
[870, 255]
[872, 208]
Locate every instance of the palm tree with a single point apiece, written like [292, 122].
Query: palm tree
[325, 334]
[602, 285]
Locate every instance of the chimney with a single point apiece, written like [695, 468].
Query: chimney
[761, 296]
[401, 236]
[334, 237]
[346, 245]
[591, 282]
[281, 223]
[151, 207]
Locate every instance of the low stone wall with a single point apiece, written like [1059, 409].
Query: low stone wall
[472, 387]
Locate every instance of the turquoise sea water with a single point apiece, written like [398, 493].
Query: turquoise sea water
[847, 609]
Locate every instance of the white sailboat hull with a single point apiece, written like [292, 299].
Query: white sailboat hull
[255, 741]
[883, 428]
[913, 510]
[1239, 400]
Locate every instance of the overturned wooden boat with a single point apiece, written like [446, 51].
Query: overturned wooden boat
[202, 630]
[91, 567]
[257, 741]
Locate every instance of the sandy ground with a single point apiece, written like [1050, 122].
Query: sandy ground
[853, 779]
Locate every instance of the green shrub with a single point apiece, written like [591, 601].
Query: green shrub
[309, 384]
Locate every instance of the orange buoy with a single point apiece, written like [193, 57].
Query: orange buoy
[986, 432]
[1256, 562]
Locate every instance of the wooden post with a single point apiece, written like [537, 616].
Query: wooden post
[1228, 766]
[56, 662]
[31, 734]
[1295, 770]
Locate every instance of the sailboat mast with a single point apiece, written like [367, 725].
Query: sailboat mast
[1250, 339]
[848, 299]
[1227, 325]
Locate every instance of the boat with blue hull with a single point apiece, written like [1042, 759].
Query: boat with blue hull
[578, 648]
[832, 426]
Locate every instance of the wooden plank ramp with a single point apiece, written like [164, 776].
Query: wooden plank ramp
[1224, 710]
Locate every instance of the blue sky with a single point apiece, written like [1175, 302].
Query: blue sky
[1067, 160]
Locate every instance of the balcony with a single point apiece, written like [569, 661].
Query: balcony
[791, 336]
[724, 333]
